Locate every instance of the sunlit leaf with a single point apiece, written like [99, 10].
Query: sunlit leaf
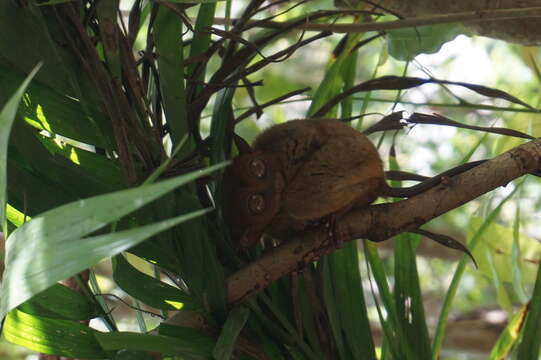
[7, 116]
[147, 289]
[74, 305]
[509, 335]
[52, 336]
[59, 248]
[497, 240]
[531, 331]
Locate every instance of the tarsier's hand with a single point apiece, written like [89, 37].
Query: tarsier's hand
[299, 173]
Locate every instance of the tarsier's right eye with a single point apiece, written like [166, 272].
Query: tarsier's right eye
[258, 168]
[256, 203]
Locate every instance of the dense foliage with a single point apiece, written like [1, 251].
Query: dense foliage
[117, 120]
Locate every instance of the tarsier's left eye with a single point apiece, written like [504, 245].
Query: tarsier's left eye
[258, 168]
[256, 203]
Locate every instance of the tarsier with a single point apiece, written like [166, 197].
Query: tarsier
[299, 173]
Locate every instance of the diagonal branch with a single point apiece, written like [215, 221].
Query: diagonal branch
[382, 221]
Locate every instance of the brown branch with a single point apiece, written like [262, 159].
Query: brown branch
[382, 221]
[469, 16]
[255, 109]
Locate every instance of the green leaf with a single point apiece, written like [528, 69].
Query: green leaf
[74, 305]
[531, 332]
[197, 257]
[195, 337]
[58, 247]
[347, 284]
[349, 74]
[15, 217]
[331, 307]
[88, 215]
[168, 40]
[516, 260]
[133, 355]
[32, 37]
[59, 171]
[23, 184]
[222, 116]
[332, 83]
[287, 337]
[29, 273]
[7, 116]
[509, 335]
[501, 293]
[52, 336]
[201, 38]
[165, 165]
[25, 33]
[103, 170]
[309, 311]
[44, 108]
[405, 44]
[451, 292]
[408, 298]
[391, 328]
[147, 289]
[228, 337]
[193, 1]
[499, 242]
[165, 345]
[53, 2]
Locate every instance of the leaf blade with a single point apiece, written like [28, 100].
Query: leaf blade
[7, 116]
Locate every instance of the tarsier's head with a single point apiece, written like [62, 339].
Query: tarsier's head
[255, 194]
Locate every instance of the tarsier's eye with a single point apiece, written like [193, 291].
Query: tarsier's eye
[258, 168]
[256, 203]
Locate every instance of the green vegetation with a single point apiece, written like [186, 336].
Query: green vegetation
[116, 123]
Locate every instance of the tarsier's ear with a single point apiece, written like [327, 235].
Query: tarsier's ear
[242, 145]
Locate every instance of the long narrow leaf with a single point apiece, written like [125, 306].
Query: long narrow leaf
[201, 39]
[157, 343]
[408, 296]
[74, 305]
[226, 342]
[509, 335]
[331, 306]
[80, 218]
[7, 116]
[147, 289]
[168, 34]
[332, 82]
[351, 303]
[58, 249]
[531, 332]
[30, 272]
[52, 336]
[451, 292]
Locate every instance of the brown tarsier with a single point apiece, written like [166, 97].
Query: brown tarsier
[299, 173]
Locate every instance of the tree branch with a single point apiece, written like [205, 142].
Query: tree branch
[464, 17]
[382, 221]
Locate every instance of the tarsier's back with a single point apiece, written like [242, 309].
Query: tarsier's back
[327, 166]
